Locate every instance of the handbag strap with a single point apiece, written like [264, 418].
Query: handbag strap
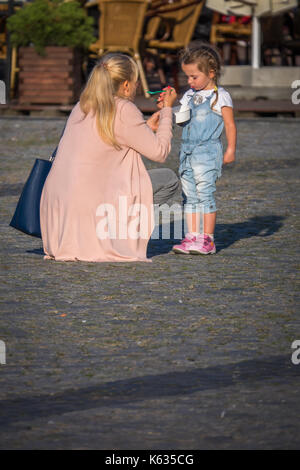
[54, 152]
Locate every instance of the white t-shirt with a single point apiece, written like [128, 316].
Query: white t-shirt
[224, 98]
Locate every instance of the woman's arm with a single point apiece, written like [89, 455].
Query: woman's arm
[135, 133]
[153, 121]
[230, 130]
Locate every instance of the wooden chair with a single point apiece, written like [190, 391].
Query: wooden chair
[179, 20]
[120, 30]
[221, 33]
[3, 45]
[8, 54]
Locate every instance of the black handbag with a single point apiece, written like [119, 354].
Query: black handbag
[27, 214]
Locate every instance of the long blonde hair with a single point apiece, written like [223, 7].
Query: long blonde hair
[101, 89]
[207, 58]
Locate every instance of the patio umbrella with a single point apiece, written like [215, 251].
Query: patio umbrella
[256, 9]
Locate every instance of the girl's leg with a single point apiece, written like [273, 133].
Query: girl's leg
[210, 223]
[192, 217]
[193, 222]
[205, 176]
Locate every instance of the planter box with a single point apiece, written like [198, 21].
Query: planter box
[55, 78]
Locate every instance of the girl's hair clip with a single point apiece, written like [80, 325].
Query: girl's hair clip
[215, 88]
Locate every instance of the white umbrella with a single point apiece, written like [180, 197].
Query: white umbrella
[256, 9]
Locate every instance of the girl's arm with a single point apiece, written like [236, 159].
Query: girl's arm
[230, 130]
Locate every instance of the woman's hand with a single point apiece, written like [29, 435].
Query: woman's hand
[153, 121]
[167, 98]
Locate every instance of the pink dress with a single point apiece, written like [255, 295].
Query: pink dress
[97, 202]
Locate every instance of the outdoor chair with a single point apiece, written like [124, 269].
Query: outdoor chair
[179, 21]
[3, 46]
[120, 30]
[8, 55]
[3, 33]
[229, 33]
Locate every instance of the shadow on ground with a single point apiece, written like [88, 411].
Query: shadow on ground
[148, 387]
[226, 234]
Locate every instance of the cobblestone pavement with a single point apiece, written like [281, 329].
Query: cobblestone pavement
[186, 352]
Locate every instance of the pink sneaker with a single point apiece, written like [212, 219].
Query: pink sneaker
[184, 247]
[203, 245]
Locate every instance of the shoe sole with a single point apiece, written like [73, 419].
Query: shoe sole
[180, 252]
[195, 252]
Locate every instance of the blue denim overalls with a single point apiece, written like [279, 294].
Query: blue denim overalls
[201, 157]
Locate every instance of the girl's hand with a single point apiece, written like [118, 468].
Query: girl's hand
[229, 157]
[153, 121]
[167, 98]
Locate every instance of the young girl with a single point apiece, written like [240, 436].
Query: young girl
[201, 154]
[91, 198]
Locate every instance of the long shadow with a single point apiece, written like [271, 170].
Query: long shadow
[258, 226]
[269, 370]
[225, 235]
[162, 239]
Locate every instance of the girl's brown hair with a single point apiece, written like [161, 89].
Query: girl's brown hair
[207, 59]
[101, 89]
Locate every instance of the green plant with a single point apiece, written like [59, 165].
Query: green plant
[51, 23]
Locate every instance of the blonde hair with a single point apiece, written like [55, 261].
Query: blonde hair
[207, 59]
[101, 89]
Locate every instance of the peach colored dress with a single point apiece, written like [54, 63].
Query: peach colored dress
[97, 202]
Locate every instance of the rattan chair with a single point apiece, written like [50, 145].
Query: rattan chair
[179, 21]
[120, 30]
[8, 54]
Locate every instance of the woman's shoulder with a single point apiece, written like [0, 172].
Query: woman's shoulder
[76, 110]
[123, 103]
[126, 110]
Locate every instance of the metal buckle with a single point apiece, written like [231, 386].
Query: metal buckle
[197, 99]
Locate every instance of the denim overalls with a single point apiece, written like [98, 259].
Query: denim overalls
[201, 157]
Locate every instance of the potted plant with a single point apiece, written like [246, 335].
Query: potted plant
[51, 36]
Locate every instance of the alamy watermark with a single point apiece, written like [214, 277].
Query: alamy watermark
[296, 354]
[2, 352]
[2, 92]
[296, 94]
[134, 221]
